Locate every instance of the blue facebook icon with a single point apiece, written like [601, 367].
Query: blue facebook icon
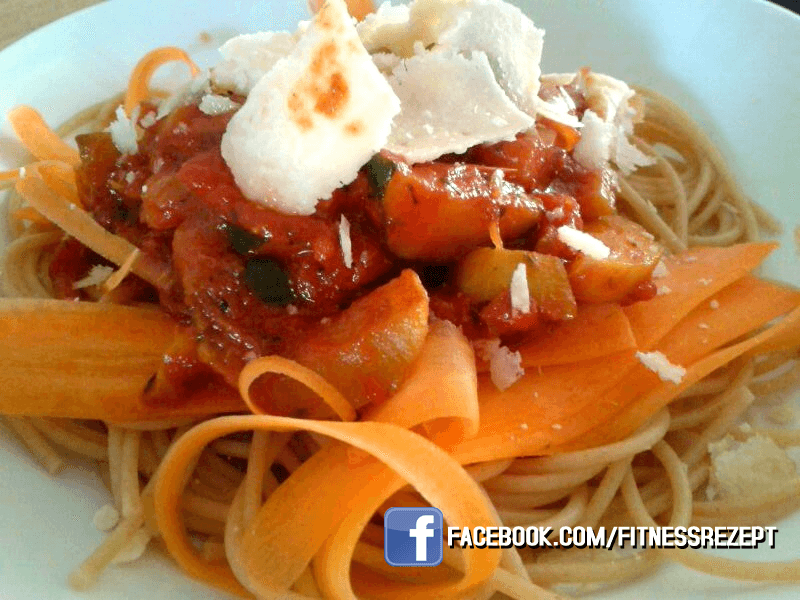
[413, 537]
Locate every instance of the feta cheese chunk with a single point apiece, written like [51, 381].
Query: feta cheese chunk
[313, 120]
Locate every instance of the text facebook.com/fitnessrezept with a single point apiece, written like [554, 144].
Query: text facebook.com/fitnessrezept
[416, 537]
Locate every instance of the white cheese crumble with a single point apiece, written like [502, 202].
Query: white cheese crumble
[714, 304]
[106, 518]
[583, 242]
[187, 93]
[215, 104]
[753, 468]
[311, 121]
[607, 123]
[148, 120]
[660, 270]
[660, 365]
[123, 132]
[97, 275]
[520, 294]
[346, 242]
[505, 366]
[22, 172]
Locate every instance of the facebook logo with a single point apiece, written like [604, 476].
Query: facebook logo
[413, 537]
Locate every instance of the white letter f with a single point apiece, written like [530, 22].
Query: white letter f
[422, 533]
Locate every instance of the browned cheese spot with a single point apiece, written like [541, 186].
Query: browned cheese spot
[322, 90]
[354, 127]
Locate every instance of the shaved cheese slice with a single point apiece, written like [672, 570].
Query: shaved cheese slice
[583, 242]
[346, 242]
[501, 30]
[607, 123]
[247, 58]
[520, 294]
[313, 120]
[449, 104]
[388, 28]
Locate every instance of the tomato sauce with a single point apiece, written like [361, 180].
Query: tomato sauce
[247, 281]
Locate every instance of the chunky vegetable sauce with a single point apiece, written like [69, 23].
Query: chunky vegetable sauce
[248, 281]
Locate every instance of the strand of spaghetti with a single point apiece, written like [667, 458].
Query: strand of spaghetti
[116, 278]
[20, 265]
[116, 435]
[39, 139]
[80, 224]
[312, 380]
[519, 588]
[37, 444]
[139, 82]
[594, 571]
[59, 177]
[737, 401]
[601, 455]
[513, 483]
[130, 500]
[419, 462]
[61, 434]
[257, 464]
[569, 515]
[605, 492]
[679, 478]
[712, 565]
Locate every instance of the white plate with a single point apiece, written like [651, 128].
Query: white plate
[734, 65]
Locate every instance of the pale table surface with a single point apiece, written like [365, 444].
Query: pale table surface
[19, 17]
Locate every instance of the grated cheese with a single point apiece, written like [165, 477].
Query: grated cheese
[148, 120]
[123, 132]
[505, 366]
[520, 294]
[660, 365]
[757, 467]
[214, 104]
[313, 120]
[583, 242]
[97, 275]
[714, 304]
[346, 242]
[660, 270]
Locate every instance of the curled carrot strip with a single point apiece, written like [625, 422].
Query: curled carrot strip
[284, 366]
[40, 140]
[80, 224]
[272, 554]
[139, 83]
